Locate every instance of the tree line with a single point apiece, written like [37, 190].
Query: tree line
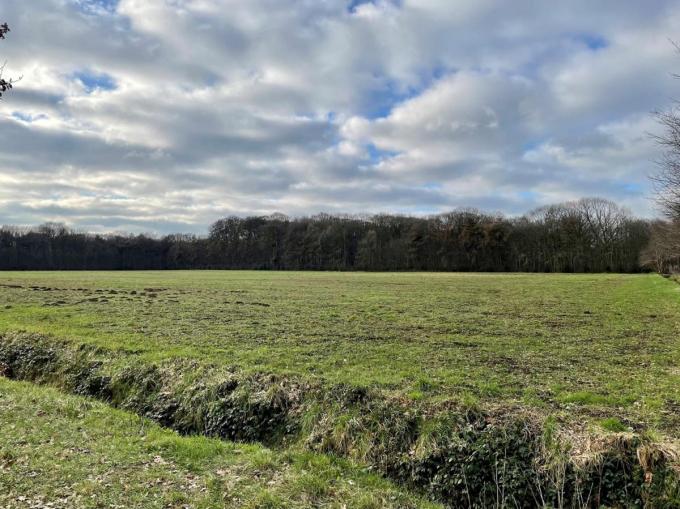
[589, 235]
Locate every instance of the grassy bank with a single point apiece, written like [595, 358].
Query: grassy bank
[461, 455]
[62, 451]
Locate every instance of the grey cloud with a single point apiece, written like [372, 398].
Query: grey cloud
[267, 105]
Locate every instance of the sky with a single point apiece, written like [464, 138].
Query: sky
[164, 115]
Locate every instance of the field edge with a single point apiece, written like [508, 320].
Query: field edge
[456, 454]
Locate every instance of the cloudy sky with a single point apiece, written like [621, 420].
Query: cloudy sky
[163, 115]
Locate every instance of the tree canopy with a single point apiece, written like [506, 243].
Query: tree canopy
[589, 235]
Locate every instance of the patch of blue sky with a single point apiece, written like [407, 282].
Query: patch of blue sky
[380, 103]
[380, 109]
[532, 145]
[376, 155]
[93, 81]
[439, 72]
[633, 187]
[25, 117]
[593, 42]
[97, 6]
[528, 195]
[381, 99]
[354, 4]
[429, 77]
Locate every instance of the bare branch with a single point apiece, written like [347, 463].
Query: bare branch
[663, 251]
[5, 84]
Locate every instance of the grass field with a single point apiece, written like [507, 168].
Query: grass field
[597, 354]
[606, 342]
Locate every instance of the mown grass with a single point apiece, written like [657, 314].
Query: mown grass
[585, 346]
[61, 451]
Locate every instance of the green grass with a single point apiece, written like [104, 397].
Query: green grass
[62, 451]
[585, 346]
[613, 424]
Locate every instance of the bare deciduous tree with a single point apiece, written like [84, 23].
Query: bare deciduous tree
[668, 179]
[663, 252]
